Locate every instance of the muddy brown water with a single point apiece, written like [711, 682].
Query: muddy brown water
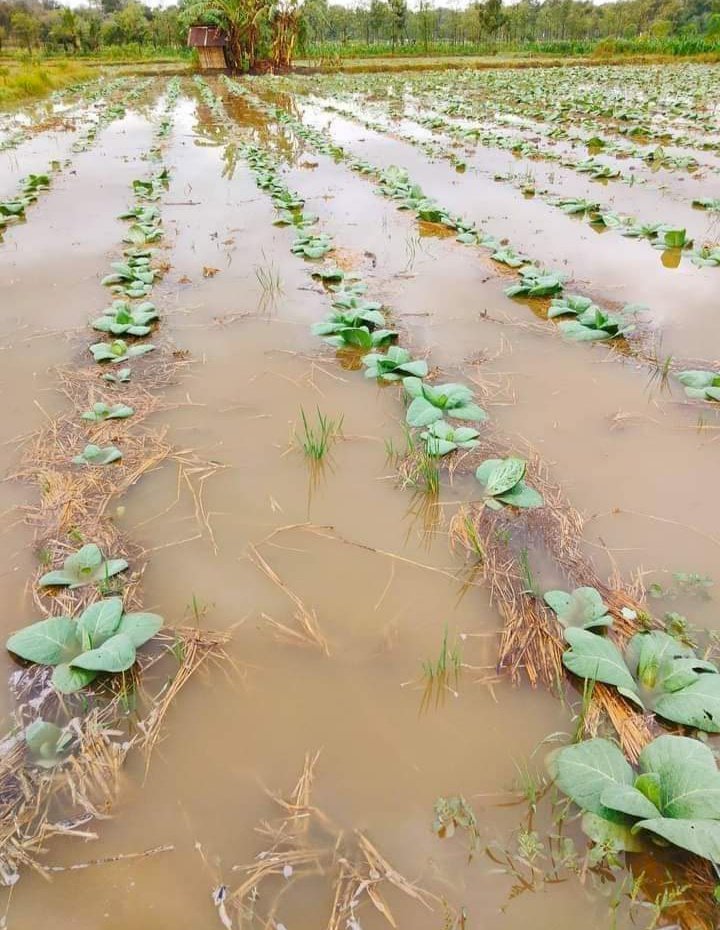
[348, 541]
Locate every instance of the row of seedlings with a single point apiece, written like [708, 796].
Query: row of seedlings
[87, 694]
[579, 317]
[663, 674]
[670, 239]
[14, 209]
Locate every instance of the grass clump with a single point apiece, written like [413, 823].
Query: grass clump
[31, 79]
[317, 438]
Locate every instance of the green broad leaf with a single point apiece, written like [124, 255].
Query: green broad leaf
[331, 274]
[438, 447]
[626, 799]
[648, 651]
[417, 368]
[358, 336]
[101, 411]
[118, 351]
[483, 471]
[120, 377]
[570, 304]
[116, 654]
[413, 387]
[696, 705]
[688, 776]
[679, 673]
[467, 412]
[86, 566]
[100, 620]
[674, 238]
[699, 379]
[67, 679]
[41, 734]
[84, 561]
[44, 741]
[701, 837]
[97, 455]
[47, 642]
[582, 607]
[573, 329]
[596, 658]
[504, 476]
[649, 785]
[421, 412]
[697, 393]
[522, 496]
[55, 579]
[585, 770]
[381, 337]
[140, 627]
[447, 396]
[465, 434]
[617, 836]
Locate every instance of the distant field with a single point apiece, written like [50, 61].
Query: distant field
[477, 62]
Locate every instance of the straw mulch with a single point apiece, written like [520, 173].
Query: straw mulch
[127, 711]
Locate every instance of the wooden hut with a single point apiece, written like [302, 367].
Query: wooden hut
[210, 43]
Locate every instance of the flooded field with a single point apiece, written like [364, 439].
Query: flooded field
[359, 444]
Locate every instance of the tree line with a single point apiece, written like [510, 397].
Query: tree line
[384, 24]
[276, 29]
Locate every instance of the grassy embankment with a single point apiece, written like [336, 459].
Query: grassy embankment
[22, 80]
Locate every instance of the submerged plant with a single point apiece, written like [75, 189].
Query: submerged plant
[101, 639]
[441, 437]
[702, 385]
[331, 274]
[657, 671]
[97, 455]
[142, 234]
[536, 283]
[674, 797]
[122, 317]
[395, 365]
[46, 742]
[595, 325]
[360, 337]
[706, 257]
[582, 607]
[578, 206]
[707, 203]
[504, 484]
[431, 402]
[672, 237]
[453, 814]
[365, 313]
[101, 411]
[508, 256]
[134, 277]
[118, 351]
[295, 218]
[120, 377]
[86, 566]
[311, 245]
[570, 305]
